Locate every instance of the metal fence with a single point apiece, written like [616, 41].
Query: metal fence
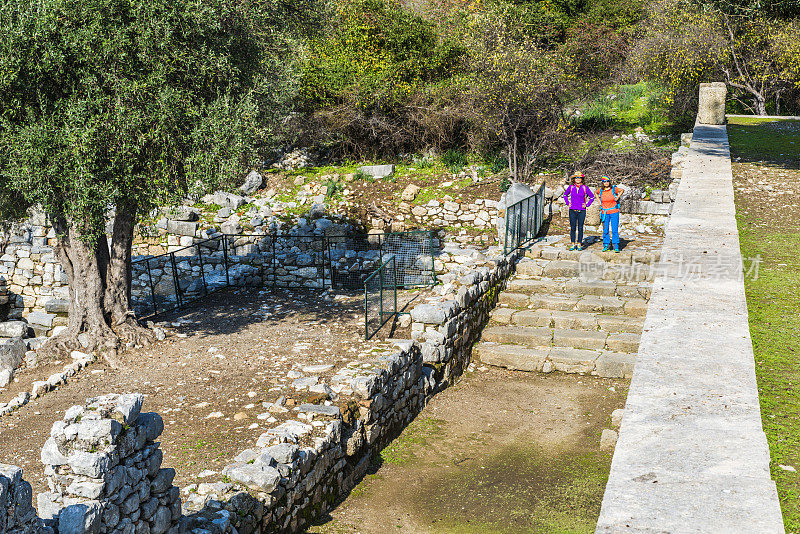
[380, 296]
[523, 221]
[354, 258]
[169, 281]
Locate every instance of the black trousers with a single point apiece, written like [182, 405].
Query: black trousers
[576, 220]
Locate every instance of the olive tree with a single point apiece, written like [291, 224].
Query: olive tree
[110, 108]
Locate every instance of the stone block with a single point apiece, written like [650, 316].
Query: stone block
[624, 342]
[574, 360]
[519, 335]
[56, 306]
[429, 314]
[514, 300]
[410, 192]
[579, 339]
[83, 518]
[182, 227]
[608, 440]
[40, 319]
[562, 269]
[259, 477]
[503, 315]
[14, 329]
[512, 356]
[711, 108]
[615, 365]
[12, 353]
[378, 171]
[616, 417]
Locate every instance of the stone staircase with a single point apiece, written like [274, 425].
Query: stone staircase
[570, 311]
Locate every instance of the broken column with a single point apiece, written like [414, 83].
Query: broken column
[103, 468]
[712, 103]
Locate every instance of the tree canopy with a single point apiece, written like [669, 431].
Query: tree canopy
[113, 107]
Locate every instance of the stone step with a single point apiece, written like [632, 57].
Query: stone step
[634, 307]
[603, 363]
[568, 320]
[544, 336]
[599, 288]
[594, 269]
[624, 257]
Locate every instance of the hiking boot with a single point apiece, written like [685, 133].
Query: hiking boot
[605, 248]
[616, 249]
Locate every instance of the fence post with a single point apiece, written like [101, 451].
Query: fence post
[505, 237]
[202, 270]
[178, 298]
[531, 217]
[366, 312]
[225, 259]
[433, 259]
[152, 288]
[380, 292]
[394, 286]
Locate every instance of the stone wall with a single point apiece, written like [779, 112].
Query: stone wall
[17, 515]
[447, 329]
[103, 468]
[32, 284]
[480, 215]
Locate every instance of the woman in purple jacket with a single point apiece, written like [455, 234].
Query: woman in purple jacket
[578, 197]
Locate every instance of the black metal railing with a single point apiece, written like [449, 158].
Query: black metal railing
[166, 282]
[524, 221]
[414, 254]
[380, 297]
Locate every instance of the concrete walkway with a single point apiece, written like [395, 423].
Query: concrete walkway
[692, 455]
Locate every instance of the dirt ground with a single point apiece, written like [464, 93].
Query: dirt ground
[223, 358]
[500, 452]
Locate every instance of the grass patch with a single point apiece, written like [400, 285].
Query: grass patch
[520, 490]
[417, 434]
[773, 301]
[757, 139]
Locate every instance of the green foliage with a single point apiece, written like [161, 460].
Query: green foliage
[773, 302]
[495, 163]
[685, 44]
[108, 102]
[424, 162]
[455, 161]
[360, 175]
[754, 8]
[620, 15]
[629, 95]
[597, 115]
[374, 55]
[332, 188]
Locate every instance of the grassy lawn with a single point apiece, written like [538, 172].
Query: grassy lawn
[766, 175]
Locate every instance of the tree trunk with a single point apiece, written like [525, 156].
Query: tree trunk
[761, 104]
[118, 278]
[99, 290]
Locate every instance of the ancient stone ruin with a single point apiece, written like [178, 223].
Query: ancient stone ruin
[103, 468]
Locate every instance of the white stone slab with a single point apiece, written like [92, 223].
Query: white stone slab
[692, 455]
